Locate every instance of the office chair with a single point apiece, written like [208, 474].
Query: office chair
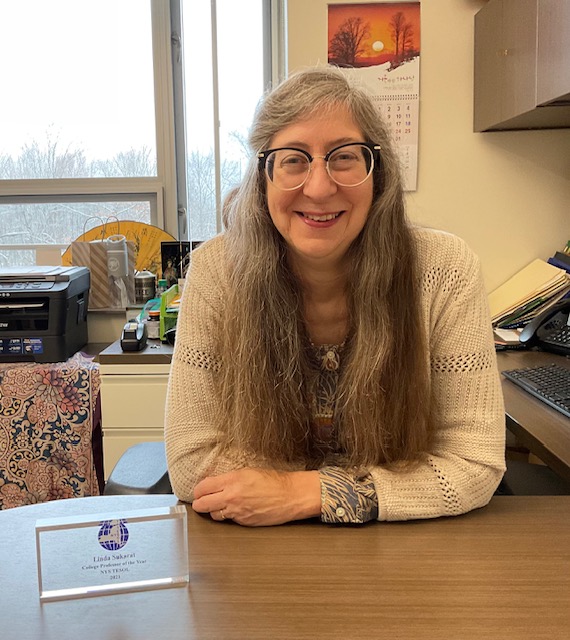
[525, 479]
[141, 469]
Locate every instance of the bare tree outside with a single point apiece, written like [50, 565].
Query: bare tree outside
[134, 162]
[63, 222]
[50, 161]
[347, 43]
[202, 190]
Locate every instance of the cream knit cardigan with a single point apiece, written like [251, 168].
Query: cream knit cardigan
[467, 460]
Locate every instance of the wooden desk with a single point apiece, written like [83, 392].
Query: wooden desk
[542, 430]
[499, 572]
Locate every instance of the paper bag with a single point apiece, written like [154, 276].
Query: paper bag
[106, 291]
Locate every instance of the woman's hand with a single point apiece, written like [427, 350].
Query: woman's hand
[256, 497]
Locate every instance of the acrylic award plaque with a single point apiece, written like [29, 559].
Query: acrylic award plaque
[82, 556]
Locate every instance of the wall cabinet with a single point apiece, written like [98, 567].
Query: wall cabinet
[133, 397]
[553, 62]
[522, 65]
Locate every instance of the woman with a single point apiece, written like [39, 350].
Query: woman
[331, 360]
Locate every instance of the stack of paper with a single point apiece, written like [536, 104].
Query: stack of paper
[529, 292]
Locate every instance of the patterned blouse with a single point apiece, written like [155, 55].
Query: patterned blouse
[346, 496]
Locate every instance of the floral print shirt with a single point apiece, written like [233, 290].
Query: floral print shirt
[346, 496]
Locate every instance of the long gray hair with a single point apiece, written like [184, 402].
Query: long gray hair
[268, 370]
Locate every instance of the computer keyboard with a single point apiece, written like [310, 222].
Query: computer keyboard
[550, 383]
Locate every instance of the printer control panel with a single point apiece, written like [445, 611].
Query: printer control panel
[6, 287]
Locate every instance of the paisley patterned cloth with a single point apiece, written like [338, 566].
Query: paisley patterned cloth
[47, 417]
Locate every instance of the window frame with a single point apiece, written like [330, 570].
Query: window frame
[159, 190]
[166, 193]
[274, 21]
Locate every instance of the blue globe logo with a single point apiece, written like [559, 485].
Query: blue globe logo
[113, 534]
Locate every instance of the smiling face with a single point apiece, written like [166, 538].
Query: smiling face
[321, 219]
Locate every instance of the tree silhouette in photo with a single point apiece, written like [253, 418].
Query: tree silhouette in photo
[347, 44]
[403, 38]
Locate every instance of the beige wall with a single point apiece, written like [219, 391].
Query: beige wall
[506, 193]
[105, 326]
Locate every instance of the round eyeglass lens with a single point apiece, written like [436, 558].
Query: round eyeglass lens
[350, 165]
[287, 169]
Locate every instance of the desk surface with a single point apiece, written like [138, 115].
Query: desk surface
[542, 430]
[499, 572]
[155, 352]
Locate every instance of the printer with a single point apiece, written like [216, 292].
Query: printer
[43, 313]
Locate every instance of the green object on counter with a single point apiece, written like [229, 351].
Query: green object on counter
[167, 318]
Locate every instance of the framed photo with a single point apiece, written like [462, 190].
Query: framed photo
[175, 260]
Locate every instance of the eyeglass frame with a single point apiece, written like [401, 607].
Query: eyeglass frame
[371, 146]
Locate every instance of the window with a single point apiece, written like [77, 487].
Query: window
[230, 53]
[81, 80]
[84, 134]
[89, 129]
[28, 225]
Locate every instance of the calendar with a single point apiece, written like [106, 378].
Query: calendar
[400, 112]
[380, 44]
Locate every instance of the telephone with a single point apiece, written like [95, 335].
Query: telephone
[550, 330]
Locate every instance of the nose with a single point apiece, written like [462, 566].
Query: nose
[319, 184]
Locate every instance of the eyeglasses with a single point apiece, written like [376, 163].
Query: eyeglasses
[348, 165]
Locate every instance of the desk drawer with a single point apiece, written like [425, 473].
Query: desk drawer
[135, 402]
